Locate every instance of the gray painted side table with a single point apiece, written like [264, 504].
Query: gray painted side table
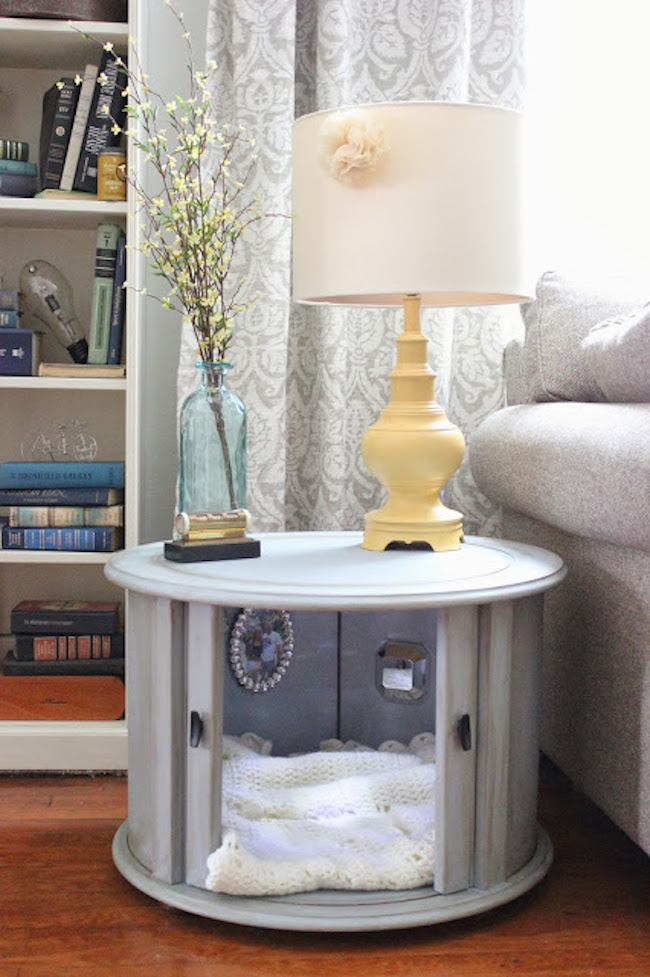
[480, 610]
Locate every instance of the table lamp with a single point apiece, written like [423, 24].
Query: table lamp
[409, 203]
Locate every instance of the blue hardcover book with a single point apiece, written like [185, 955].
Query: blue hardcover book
[118, 304]
[9, 319]
[19, 349]
[77, 539]
[61, 496]
[17, 185]
[17, 166]
[55, 474]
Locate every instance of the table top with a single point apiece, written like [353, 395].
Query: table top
[330, 570]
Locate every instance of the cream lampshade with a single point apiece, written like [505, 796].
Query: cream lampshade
[404, 203]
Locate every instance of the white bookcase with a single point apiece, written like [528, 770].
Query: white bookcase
[134, 418]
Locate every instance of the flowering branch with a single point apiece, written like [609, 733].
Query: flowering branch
[194, 220]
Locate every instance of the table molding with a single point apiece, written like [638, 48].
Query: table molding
[329, 911]
[319, 571]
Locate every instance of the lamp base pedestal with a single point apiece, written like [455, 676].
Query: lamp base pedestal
[413, 449]
[442, 532]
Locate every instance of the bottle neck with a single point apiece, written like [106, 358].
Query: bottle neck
[213, 375]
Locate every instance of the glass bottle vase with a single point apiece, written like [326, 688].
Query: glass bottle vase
[212, 464]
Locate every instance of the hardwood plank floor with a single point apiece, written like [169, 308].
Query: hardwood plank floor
[67, 912]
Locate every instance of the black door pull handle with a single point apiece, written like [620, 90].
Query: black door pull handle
[465, 732]
[196, 728]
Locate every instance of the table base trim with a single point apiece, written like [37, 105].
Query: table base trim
[334, 911]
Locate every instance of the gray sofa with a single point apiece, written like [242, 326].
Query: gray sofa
[568, 460]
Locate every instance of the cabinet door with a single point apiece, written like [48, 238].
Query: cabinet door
[456, 737]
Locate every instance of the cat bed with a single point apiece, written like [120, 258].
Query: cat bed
[343, 817]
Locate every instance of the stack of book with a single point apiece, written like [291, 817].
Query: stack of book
[106, 331]
[18, 176]
[77, 122]
[75, 506]
[68, 661]
[58, 637]
[19, 348]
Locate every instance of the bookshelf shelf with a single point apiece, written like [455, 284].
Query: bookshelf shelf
[28, 43]
[40, 745]
[50, 556]
[63, 383]
[39, 213]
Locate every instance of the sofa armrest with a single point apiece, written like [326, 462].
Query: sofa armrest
[582, 468]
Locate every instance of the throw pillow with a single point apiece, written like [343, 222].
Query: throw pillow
[618, 355]
[555, 364]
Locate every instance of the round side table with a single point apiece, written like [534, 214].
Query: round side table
[478, 608]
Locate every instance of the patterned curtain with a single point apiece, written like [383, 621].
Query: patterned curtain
[314, 379]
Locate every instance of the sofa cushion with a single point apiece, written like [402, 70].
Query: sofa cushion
[582, 468]
[618, 355]
[555, 364]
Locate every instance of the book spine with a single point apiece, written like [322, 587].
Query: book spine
[79, 127]
[106, 107]
[13, 665]
[100, 322]
[14, 149]
[59, 104]
[60, 516]
[85, 370]
[64, 474]
[9, 298]
[61, 496]
[9, 319]
[18, 168]
[118, 304]
[67, 647]
[96, 539]
[28, 619]
[17, 185]
[19, 352]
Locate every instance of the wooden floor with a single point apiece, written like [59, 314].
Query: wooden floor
[66, 911]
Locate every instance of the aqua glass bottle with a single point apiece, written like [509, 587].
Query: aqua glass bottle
[212, 464]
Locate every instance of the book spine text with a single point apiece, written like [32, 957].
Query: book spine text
[61, 474]
[98, 539]
[100, 323]
[59, 516]
[59, 105]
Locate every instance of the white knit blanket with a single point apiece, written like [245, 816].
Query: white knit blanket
[344, 817]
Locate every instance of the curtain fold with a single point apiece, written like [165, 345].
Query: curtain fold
[314, 379]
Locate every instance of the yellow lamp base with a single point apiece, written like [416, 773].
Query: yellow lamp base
[413, 449]
[443, 531]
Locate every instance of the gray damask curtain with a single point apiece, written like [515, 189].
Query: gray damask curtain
[314, 379]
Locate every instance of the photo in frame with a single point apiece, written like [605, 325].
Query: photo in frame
[261, 647]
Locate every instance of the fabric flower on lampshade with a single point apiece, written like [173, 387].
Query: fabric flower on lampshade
[352, 146]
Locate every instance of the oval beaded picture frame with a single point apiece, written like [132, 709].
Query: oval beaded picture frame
[261, 648]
